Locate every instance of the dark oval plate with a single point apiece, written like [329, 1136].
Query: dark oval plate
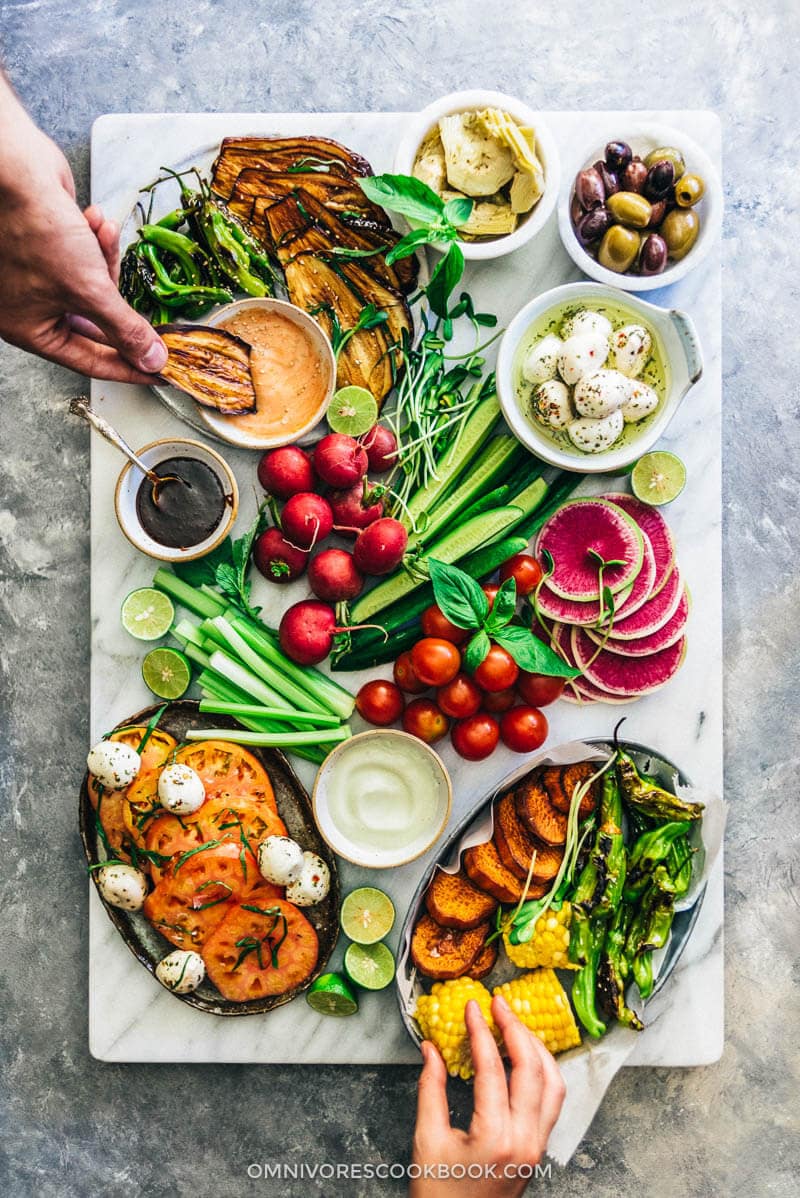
[665, 772]
[294, 808]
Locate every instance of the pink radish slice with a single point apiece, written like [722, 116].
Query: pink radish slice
[642, 589]
[652, 523]
[570, 611]
[654, 614]
[642, 646]
[626, 676]
[578, 530]
[581, 690]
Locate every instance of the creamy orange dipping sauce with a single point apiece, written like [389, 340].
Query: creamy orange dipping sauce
[290, 377]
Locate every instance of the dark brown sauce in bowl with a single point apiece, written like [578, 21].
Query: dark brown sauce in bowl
[187, 512]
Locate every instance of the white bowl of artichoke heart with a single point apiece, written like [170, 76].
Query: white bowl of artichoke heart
[494, 150]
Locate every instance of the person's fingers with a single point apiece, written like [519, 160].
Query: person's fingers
[527, 1073]
[432, 1111]
[108, 240]
[125, 329]
[88, 357]
[553, 1092]
[94, 217]
[491, 1092]
[87, 329]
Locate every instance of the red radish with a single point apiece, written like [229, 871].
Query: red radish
[306, 519]
[276, 559]
[339, 460]
[307, 629]
[355, 508]
[381, 446]
[379, 549]
[333, 576]
[286, 471]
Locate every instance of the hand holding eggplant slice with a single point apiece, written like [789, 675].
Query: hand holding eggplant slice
[211, 365]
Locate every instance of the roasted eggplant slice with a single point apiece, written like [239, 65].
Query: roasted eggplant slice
[211, 365]
[334, 191]
[319, 154]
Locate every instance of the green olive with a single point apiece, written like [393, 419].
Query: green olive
[671, 154]
[619, 248]
[679, 229]
[629, 208]
[689, 190]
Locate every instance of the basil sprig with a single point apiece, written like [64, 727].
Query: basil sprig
[464, 603]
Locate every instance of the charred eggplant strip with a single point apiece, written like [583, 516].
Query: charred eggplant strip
[321, 154]
[211, 365]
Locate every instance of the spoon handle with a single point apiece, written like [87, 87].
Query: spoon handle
[79, 406]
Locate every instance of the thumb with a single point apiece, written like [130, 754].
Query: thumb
[432, 1110]
[127, 331]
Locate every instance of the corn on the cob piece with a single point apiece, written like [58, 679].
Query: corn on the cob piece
[548, 947]
[440, 1015]
[539, 1001]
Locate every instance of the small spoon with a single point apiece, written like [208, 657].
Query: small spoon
[80, 406]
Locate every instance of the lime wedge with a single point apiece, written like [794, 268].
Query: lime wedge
[658, 477]
[370, 966]
[167, 673]
[147, 614]
[367, 915]
[353, 411]
[332, 994]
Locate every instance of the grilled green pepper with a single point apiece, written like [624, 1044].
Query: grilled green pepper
[648, 797]
[613, 970]
[649, 850]
[584, 987]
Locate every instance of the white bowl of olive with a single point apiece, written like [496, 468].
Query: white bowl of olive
[640, 211]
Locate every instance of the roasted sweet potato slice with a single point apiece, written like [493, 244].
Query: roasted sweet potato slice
[516, 847]
[485, 961]
[560, 783]
[454, 902]
[537, 813]
[487, 872]
[211, 365]
[442, 953]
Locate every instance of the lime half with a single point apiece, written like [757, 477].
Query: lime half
[353, 411]
[367, 915]
[658, 477]
[370, 966]
[147, 614]
[167, 673]
[332, 994]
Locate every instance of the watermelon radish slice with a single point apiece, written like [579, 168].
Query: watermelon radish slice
[653, 524]
[654, 614]
[642, 646]
[569, 611]
[580, 690]
[578, 530]
[626, 676]
[642, 588]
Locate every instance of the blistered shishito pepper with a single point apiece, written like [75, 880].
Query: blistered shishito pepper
[649, 850]
[613, 970]
[648, 797]
[602, 878]
[231, 256]
[584, 987]
[181, 247]
[642, 970]
[170, 294]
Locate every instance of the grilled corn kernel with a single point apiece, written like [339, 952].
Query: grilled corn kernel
[548, 947]
[440, 1016]
[539, 1001]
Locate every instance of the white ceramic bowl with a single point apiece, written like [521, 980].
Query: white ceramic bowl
[437, 800]
[130, 480]
[642, 138]
[222, 426]
[422, 122]
[680, 350]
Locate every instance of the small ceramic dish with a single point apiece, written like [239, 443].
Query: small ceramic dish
[130, 480]
[642, 138]
[382, 798]
[679, 349]
[422, 122]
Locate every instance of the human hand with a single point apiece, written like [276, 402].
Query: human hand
[511, 1122]
[59, 266]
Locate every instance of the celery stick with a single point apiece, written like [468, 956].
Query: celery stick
[212, 684]
[277, 740]
[187, 633]
[246, 681]
[196, 655]
[220, 707]
[274, 678]
[201, 603]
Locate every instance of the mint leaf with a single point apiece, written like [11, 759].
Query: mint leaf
[458, 595]
[404, 194]
[503, 608]
[476, 651]
[532, 654]
[204, 569]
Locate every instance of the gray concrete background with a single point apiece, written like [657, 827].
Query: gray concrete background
[70, 1126]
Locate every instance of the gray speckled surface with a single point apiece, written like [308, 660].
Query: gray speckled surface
[72, 1126]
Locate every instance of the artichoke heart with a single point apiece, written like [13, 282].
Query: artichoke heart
[527, 184]
[477, 163]
[489, 218]
[430, 166]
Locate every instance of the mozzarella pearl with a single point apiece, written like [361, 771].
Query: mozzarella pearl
[631, 345]
[113, 764]
[280, 860]
[313, 883]
[641, 401]
[593, 436]
[581, 355]
[599, 394]
[122, 886]
[181, 971]
[587, 323]
[180, 789]
[541, 362]
[550, 403]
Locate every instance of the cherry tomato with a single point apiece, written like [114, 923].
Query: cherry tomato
[380, 702]
[435, 623]
[523, 729]
[490, 590]
[476, 737]
[496, 701]
[498, 670]
[422, 718]
[459, 698]
[405, 677]
[525, 570]
[436, 662]
[539, 689]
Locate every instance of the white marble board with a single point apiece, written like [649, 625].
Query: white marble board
[131, 1018]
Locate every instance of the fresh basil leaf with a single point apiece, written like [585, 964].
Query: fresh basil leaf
[458, 211]
[404, 194]
[204, 569]
[458, 595]
[532, 654]
[408, 245]
[503, 608]
[444, 279]
[476, 651]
